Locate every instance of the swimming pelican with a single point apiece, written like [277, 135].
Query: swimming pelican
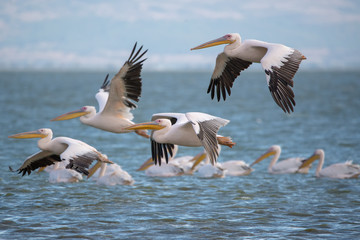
[79, 154]
[58, 173]
[115, 101]
[193, 129]
[290, 165]
[110, 174]
[171, 169]
[207, 170]
[279, 62]
[176, 166]
[337, 170]
[236, 168]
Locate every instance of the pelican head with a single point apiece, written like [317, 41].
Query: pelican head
[318, 154]
[77, 113]
[273, 150]
[227, 39]
[40, 133]
[155, 125]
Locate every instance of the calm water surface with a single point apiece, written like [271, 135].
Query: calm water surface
[258, 206]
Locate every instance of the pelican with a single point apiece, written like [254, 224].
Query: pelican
[337, 170]
[207, 170]
[290, 165]
[236, 168]
[171, 169]
[58, 173]
[279, 62]
[192, 129]
[176, 166]
[79, 154]
[110, 174]
[115, 99]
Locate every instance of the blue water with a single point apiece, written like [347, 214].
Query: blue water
[258, 206]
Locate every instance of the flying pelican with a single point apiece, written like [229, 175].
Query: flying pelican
[337, 170]
[192, 129]
[110, 174]
[79, 154]
[58, 173]
[290, 165]
[279, 62]
[115, 101]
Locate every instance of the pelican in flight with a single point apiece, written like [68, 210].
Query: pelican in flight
[192, 129]
[279, 62]
[110, 174]
[290, 165]
[337, 170]
[79, 154]
[115, 99]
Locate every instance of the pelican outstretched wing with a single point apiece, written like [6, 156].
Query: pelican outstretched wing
[125, 86]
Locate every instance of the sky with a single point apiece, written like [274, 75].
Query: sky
[99, 35]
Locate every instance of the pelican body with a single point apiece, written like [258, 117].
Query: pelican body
[193, 129]
[337, 170]
[58, 173]
[110, 174]
[236, 168]
[279, 62]
[115, 99]
[78, 154]
[290, 165]
[207, 170]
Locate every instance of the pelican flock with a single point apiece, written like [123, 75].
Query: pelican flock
[67, 159]
[279, 62]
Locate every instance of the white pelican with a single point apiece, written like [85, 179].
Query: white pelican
[171, 169]
[279, 62]
[115, 101]
[58, 173]
[290, 165]
[337, 170]
[193, 129]
[110, 174]
[207, 170]
[236, 168]
[176, 166]
[79, 154]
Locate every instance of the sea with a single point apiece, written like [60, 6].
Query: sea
[258, 206]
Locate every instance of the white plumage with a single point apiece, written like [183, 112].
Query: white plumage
[110, 175]
[290, 165]
[337, 170]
